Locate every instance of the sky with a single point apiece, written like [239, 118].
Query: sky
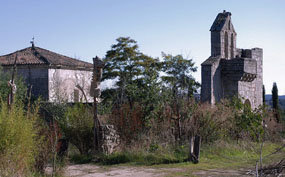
[87, 28]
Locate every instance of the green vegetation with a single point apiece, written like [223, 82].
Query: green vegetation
[19, 140]
[77, 126]
[152, 108]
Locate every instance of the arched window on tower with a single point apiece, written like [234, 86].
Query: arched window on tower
[226, 45]
[229, 25]
[232, 46]
[247, 103]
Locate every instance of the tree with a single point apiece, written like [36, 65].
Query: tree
[179, 77]
[275, 96]
[263, 94]
[179, 81]
[275, 101]
[130, 69]
[121, 65]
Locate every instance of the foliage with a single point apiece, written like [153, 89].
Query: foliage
[178, 72]
[163, 155]
[77, 126]
[136, 77]
[19, 140]
[121, 63]
[245, 120]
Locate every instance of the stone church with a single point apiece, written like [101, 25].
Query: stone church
[51, 76]
[231, 71]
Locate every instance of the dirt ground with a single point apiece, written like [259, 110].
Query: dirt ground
[90, 170]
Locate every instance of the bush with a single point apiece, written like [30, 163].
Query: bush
[77, 126]
[18, 140]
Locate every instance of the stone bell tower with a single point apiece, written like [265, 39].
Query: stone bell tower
[223, 37]
[230, 71]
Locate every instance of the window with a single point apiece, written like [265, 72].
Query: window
[226, 45]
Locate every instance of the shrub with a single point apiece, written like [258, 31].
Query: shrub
[77, 126]
[18, 140]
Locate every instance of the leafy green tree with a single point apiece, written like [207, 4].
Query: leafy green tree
[178, 76]
[275, 96]
[178, 81]
[121, 65]
[131, 71]
[149, 86]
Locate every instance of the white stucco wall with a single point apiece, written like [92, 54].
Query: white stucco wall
[62, 84]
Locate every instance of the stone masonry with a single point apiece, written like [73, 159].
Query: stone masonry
[230, 71]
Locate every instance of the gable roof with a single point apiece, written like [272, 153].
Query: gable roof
[220, 21]
[38, 56]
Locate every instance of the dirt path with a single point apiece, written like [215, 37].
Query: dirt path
[89, 170]
[98, 171]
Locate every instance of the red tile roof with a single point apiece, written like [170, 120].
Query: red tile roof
[39, 56]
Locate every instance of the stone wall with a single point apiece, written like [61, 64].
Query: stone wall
[111, 140]
[257, 54]
[211, 90]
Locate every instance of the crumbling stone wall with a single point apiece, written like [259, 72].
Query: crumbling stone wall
[110, 138]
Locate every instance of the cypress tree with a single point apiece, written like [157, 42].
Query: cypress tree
[275, 96]
[263, 94]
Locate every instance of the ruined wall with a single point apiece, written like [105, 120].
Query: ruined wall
[62, 85]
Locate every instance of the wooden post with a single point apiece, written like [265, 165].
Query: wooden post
[194, 148]
[197, 145]
[95, 92]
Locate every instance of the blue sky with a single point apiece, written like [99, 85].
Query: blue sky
[86, 28]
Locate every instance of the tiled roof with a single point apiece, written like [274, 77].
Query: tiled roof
[39, 56]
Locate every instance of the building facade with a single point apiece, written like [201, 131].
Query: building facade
[231, 71]
[51, 76]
